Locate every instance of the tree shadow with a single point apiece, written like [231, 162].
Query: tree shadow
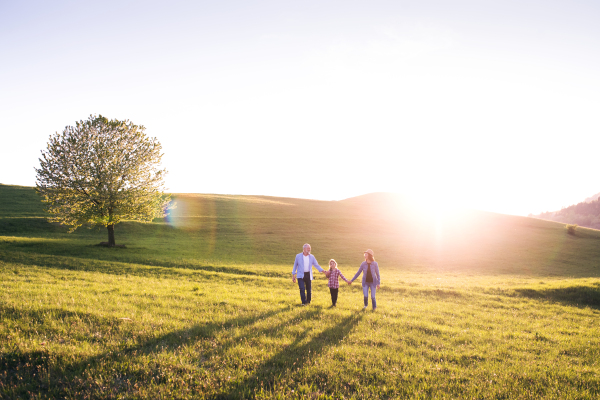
[31, 253]
[17, 226]
[579, 296]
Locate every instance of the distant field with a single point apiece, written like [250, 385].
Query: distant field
[201, 305]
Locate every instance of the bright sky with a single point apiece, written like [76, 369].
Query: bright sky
[493, 104]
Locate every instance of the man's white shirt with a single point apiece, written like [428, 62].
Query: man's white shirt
[306, 263]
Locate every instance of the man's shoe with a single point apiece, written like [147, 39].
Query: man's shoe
[364, 308]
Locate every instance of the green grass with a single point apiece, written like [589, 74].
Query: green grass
[481, 306]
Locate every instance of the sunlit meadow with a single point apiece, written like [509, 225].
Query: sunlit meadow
[201, 305]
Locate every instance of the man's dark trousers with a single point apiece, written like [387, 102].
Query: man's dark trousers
[305, 283]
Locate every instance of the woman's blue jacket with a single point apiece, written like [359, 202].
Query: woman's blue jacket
[374, 272]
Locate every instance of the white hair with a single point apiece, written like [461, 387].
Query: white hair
[306, 245]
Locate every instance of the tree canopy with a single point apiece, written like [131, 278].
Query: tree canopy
[102, 172]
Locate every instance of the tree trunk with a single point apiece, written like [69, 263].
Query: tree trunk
[111, 236]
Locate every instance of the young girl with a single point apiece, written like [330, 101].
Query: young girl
[334, 274]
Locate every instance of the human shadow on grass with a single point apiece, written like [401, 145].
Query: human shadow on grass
[579, 296]
[24, 367]
[296, 355]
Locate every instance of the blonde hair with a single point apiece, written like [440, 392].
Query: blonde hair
[335, 262]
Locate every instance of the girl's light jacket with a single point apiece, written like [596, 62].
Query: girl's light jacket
[374, 272]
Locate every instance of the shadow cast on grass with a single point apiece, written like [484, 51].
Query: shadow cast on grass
[77, 262]
[17, 226]
[41, 371]
[115, 261]
[297, 355]
[579, 296]
[55, 374]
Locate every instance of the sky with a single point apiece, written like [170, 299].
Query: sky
[493, 105]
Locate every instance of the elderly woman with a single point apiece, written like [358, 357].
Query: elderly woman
[371, 278]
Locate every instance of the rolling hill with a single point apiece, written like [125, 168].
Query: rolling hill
[200, 305]
[586, 213]
[212, 229]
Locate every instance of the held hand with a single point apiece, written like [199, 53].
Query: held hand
[349, 282]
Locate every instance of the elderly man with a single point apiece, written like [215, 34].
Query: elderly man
[303, 271]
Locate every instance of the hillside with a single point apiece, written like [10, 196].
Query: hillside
[206, 230]
[586, 213]
[200, 305]
[592, 198]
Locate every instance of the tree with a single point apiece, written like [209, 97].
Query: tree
[102, 172]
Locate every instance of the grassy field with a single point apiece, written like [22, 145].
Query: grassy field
[201, 305]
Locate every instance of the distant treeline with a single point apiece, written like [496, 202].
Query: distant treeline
[583, 214]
